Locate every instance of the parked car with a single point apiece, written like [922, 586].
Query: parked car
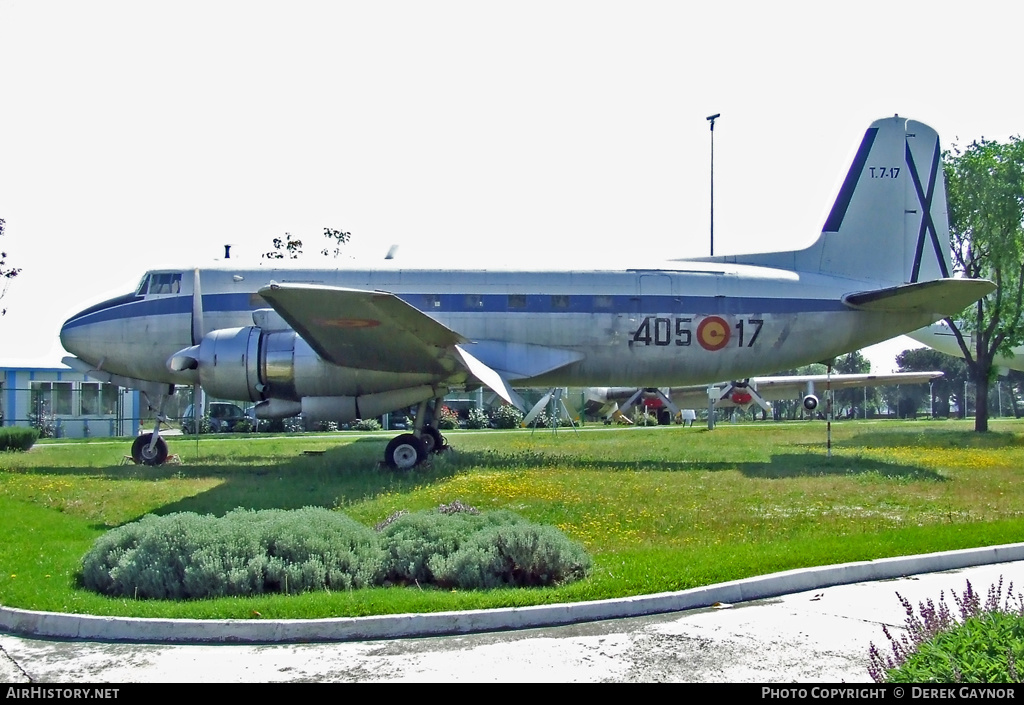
[224, 416]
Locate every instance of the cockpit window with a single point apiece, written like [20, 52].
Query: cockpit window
[160, 283]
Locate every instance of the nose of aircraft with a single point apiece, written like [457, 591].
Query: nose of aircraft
[79, 334]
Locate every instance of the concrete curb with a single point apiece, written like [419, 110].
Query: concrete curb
[93, 628]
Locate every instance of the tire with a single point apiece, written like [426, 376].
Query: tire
[405, 452]
[433, 440]
[141, 453]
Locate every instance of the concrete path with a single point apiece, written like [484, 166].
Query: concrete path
[817, 635]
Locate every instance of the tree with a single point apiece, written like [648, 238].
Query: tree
[287, 247]
[337, 238]
[985, 185]
[847, 401]
[292, 247]
[949, 386]
[6, 273]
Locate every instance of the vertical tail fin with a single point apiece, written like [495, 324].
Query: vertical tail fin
[889, 221]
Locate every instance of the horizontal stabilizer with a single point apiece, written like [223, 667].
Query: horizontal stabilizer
[943, 297]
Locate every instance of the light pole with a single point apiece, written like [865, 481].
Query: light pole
[711, 119]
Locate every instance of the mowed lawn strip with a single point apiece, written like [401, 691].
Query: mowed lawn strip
[659, 509]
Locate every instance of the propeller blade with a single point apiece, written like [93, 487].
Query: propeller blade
[198, 331]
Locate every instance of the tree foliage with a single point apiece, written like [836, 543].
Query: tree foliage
[985, 185]
[6, 273]
[291, 247]
[948, 389]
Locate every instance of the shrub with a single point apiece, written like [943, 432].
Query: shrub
[17, 437]
[447, 419]
[366, 425]
[507, 416]
[519, 554]
[982, 644]
[326, 426]
[45, 423]
[294, 424]
[188, 556]
[642, 418]
[477, 418]
[412, 539]
[457, 546]
[245, 425]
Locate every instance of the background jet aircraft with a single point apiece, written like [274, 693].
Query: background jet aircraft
[347, 343]
[604, 401]
[941, 337]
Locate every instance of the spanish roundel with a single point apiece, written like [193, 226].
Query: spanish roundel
[713, 333]
[741, 397]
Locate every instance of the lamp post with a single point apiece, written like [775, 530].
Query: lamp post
[711, 119]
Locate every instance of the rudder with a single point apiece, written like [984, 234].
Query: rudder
[889, 222]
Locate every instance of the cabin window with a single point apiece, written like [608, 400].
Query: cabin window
[432, 301]
[474, 301]
[516, 301]
[602, 301]
[559, 301]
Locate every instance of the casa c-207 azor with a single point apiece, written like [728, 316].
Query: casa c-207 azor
[342, 343]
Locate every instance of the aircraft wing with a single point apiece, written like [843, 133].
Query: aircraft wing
[372, 330]
[768, 388]
[791, 387]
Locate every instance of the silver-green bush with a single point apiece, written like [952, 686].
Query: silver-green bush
[471, 550]
[186, 555]
[522, 554]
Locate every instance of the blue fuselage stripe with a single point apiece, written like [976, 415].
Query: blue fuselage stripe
[487, 303]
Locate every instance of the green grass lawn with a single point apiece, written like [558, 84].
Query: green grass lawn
[659, 509]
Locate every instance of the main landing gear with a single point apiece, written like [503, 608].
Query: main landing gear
[408, 450]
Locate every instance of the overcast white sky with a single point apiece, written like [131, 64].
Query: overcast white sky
[142, 134]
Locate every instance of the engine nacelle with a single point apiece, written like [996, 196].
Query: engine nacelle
[284, 375]
[810, 402]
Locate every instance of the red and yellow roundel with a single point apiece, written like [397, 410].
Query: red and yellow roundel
[713, 333]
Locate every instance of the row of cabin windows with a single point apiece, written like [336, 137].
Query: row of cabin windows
[517, 301]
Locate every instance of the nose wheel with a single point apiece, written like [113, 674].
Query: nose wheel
[146, 452]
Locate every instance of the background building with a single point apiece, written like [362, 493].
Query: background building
[65, 403]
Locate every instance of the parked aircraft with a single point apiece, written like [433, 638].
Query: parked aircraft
[604, 401]
[347, 343]
[941, 337]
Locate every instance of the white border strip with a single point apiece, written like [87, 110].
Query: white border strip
[135, 629]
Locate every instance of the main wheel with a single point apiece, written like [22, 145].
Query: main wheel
[144, 455]
[405, 452]
[433, 440]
